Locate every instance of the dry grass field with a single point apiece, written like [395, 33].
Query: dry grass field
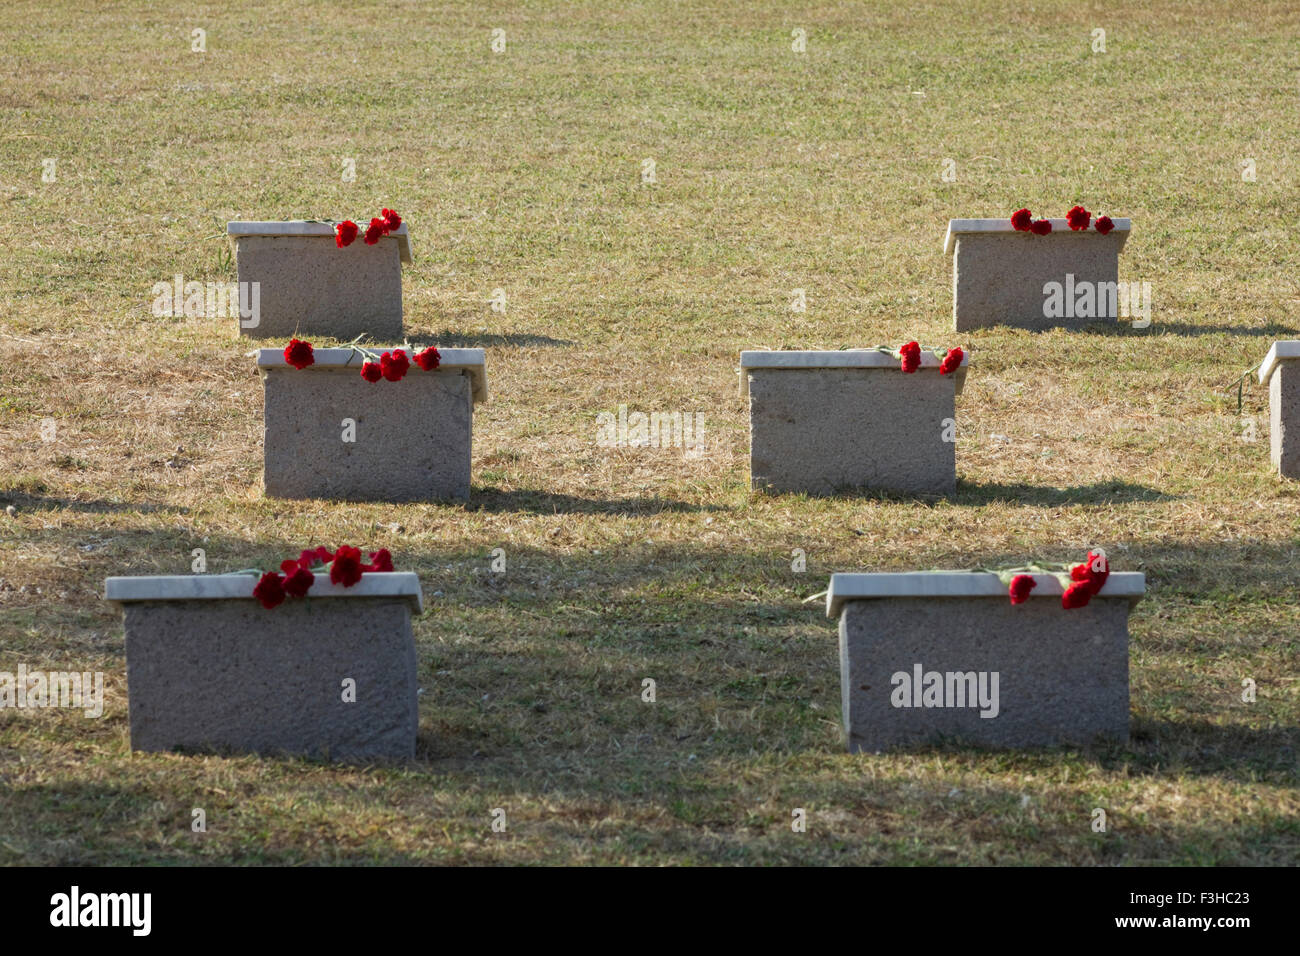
[774, 171]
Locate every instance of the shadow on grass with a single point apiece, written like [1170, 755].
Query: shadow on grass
[25, 501]
[467, 340]
[1159, 747]
[1098, 493]
[1124, 330]
[975, 493]
[1156, 748]
[546, 502]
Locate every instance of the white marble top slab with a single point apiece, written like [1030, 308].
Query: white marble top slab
[957, 227]
[836, 358]
[471, 361]
[300, 227]
[1278, 352]
[946, 584]
[207, 587]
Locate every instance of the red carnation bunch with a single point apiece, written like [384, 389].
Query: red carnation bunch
[296, 578]
[391, 365]
[1022, 220]
[911, 356]
[951, 361]
[345, 233]
[1080, 585]
[299, 354]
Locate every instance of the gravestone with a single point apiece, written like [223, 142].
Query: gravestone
[309, 287]
[823, 422]
[930, 656]
[209, 668]
[1280, 371]
[1004, 277]
[329, 433]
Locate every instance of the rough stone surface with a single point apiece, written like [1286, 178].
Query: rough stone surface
[822, 431]
[310, 288]
[1284, 418]
[1063, 675]
[413, 437]
[998, 277]
[229, 675]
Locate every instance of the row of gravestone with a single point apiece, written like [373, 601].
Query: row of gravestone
[820, 421]
[922, 654]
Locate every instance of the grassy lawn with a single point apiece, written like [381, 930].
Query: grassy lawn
[774, 171]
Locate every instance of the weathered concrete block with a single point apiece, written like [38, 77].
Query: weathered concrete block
[824, 422]
[410, 440]
[1281, 372]
[308, 287]
[999, 275]
[208, 668]
[1025, 675]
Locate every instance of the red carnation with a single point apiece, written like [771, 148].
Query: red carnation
[298, 582]
[1104, 224]
[371, 372]
[911, 356]
[1041, 227]
[380, 560]
[394, 365]
[375, 231]
[1099, 568]
[1021, 585]
[1093, 572]
[391, 219]
[346, 569]
[269, 591]
[1077, 594]
[1078, 218]
[310, 557]
[1020, 220]
[299, 354]
[345, 233]
[429, 359]
[952, 361]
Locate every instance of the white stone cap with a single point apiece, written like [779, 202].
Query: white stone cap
[209, 587]
[957, 584]
[958, 227]
[1278, 352]
[471, 361]
[838, 358]
[300, 227]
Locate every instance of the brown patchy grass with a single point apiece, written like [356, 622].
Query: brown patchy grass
[775, 172]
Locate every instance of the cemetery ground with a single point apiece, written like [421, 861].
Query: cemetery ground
[772, 171]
